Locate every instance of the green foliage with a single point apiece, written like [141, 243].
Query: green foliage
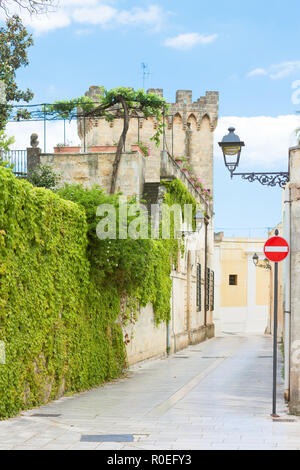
[44, 177]
[5, 143]
[146, 149]
[178, 194]
[144, 104]
[68, 109]
[64, 293]
[138, 268]
[183, 162]
[58, 324]
[14, 43]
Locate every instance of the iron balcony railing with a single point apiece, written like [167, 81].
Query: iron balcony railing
[18, 160]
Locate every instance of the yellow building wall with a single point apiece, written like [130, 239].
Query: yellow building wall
[235, 262]
[262, 286]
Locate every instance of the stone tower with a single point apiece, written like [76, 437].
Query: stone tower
[189, 129]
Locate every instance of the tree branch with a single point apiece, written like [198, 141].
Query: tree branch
[121, 143]
[34, 7]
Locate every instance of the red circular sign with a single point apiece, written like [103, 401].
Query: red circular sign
[276, 249]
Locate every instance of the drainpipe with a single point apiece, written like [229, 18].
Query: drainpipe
[172, 315]
[168, 338]
[287, 295]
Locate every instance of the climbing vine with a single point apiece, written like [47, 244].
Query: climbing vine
[121, 100]
[65, 293]
[184, 164]
[138, 268]
[59, 326]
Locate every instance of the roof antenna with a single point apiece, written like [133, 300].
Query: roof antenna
[146, 73]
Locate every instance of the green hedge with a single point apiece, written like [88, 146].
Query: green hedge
[58, 326]
[60, 290]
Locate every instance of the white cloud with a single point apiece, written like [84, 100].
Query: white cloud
[277, 71]
[153, 16]
[256, 72]
[44, 23]
[64, 3]
[189, 40]
[267, 140]
[101, 14]
[95, 13]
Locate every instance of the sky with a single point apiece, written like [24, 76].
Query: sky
[248, 51]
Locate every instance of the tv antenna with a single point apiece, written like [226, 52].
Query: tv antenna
[146, 73]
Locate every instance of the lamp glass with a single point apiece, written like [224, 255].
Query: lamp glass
[233, 150]
[199, 219]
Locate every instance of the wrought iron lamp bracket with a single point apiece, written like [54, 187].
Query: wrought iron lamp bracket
[266, 179]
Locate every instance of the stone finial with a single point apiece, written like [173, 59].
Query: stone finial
[34, 141]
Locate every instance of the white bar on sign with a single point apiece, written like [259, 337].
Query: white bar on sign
[276, 249]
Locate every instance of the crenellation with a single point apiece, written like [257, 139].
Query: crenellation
[184, 97]
[94, 92]
[198, 118]
[156, 91]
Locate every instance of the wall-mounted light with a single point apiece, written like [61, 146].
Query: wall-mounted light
[264, 264]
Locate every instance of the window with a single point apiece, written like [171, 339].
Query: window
[233, 280]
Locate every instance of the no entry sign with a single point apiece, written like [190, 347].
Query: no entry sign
[276, 249]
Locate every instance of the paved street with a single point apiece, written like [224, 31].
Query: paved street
[216, 395]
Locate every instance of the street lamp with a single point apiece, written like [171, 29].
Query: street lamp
[265, 264]
[199, 219]
[255, 259]
[231, 146]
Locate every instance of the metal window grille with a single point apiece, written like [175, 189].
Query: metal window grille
[199, 287]
[18, 160]
[212, 295]
[207, 293]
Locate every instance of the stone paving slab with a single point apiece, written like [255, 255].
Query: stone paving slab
[171, 404]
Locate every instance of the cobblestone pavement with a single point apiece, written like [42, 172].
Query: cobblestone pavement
[216, 395]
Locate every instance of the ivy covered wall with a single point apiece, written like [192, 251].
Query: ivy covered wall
[65, 294]
[58, 325]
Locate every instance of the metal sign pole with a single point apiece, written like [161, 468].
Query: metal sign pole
[274, 413]
[276, 249]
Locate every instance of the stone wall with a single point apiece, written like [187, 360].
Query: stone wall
[187, 322]
[189, 129]
[294, 168]
[187, 325]
[89, 169]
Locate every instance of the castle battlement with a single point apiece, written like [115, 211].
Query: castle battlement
[189, 131]
[184, 106]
